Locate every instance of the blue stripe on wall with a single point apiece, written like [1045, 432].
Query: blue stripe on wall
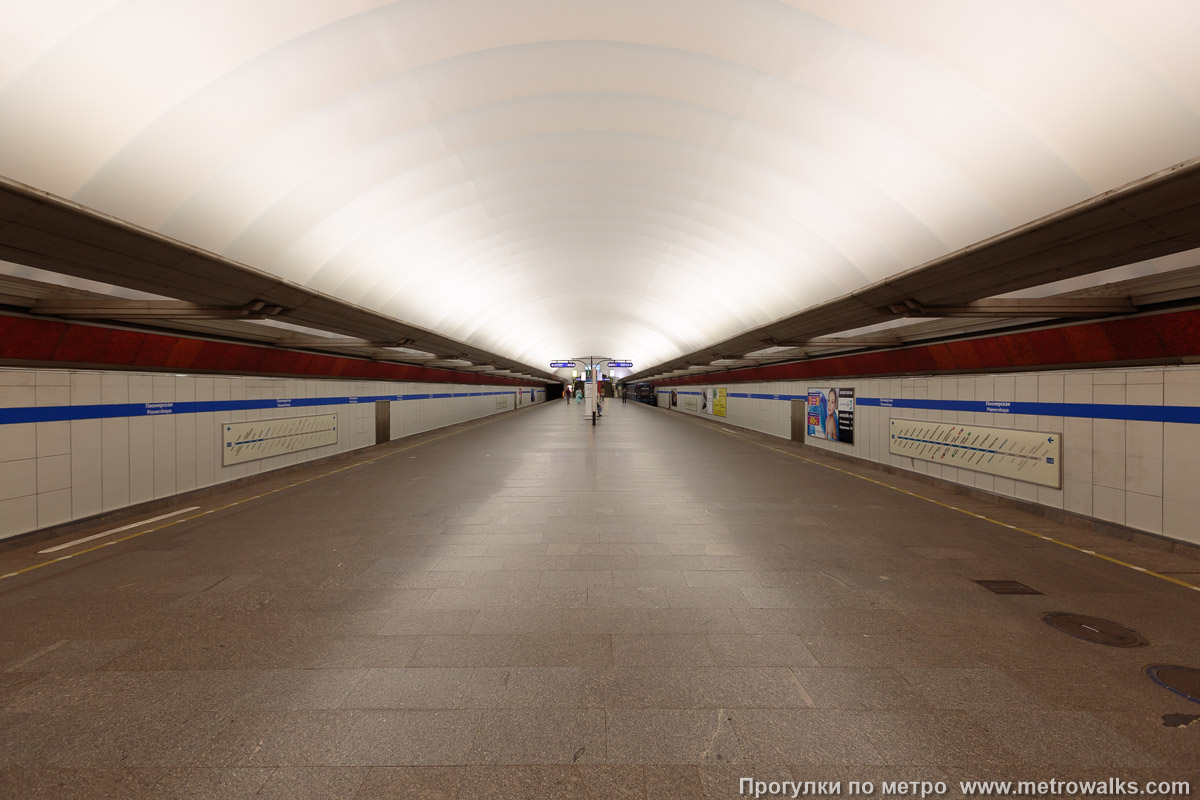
[1136, 413]
[13, 416]
[1188, 414]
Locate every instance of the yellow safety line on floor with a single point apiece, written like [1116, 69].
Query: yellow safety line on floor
[983, 517]
[180, 521]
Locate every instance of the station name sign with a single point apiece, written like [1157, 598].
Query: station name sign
[562, 364]
[620, 364]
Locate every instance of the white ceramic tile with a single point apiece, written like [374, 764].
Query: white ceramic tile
[1025, 422]
[18, 396]
[185, 452]
[1051, 424]
[1050, 387]
[1109, 394]
[1004, 486]
[1108, 435]
[141, 388]
[53, 508]
[1181, 442]
[18, 441]
[1108, 504]
[1077, 387]
[53, 473]
[1181, 394]
[1144, 376]
[1108, 377]
[18, 478]
[1144, 394]
[52, 377]
[114, 388]
[1144, 475]
[18, 515]
[115, 463]
[1077, 497]
[1180, 479]
[207, 446]
[86, 468]
[185, 389]
[141, 459]
[1108, 469]
[53, 438]
[1049, 496]
[1179, 519]
[1077, 464]
[164, 388]
[85, 388]
[17, 377]
[1144, 512]
[53, 395]
[1144, 439]
[1171, 375]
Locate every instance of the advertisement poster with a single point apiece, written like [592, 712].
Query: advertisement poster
[831, 414]
[712, 401]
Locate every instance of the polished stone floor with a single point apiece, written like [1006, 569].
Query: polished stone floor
[531, 607]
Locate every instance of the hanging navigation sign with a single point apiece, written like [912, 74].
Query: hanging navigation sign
[616, 364]
[562, 365]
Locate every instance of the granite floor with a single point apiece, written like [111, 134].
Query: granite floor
[535, 608]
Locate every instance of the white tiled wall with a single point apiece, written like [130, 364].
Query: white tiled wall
[1142, 474]
[54, 472]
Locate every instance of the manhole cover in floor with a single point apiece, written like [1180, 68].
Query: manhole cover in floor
[1183, 681]
[1095, 629]
[1007, 587]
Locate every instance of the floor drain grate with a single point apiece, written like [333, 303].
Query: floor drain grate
[1095, 629]
[1007, 587]
[1183, 681]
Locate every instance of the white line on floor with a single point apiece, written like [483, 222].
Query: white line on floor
[58, 547]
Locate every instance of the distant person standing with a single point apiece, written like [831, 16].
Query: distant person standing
[624, 395]
[567, 394]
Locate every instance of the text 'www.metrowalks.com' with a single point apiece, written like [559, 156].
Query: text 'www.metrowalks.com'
[1109, 787]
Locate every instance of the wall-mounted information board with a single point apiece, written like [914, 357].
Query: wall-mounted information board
[1031, 456]
[247, 441]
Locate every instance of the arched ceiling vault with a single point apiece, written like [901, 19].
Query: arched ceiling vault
[644, 177]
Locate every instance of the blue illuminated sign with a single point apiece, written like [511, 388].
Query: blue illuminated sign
[562, 364]
[620, 363]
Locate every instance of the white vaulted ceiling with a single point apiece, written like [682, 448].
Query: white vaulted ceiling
[546, 178]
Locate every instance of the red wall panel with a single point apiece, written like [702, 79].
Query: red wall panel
[51, 342]
[1153, 338]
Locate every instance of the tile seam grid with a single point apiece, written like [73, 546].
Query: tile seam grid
[174, 522]
[983, 517]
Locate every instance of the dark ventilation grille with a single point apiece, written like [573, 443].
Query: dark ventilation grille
[1183, 681]
[1007, 587]
[1095, 629]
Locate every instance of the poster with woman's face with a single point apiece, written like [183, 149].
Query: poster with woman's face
[830, 414]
